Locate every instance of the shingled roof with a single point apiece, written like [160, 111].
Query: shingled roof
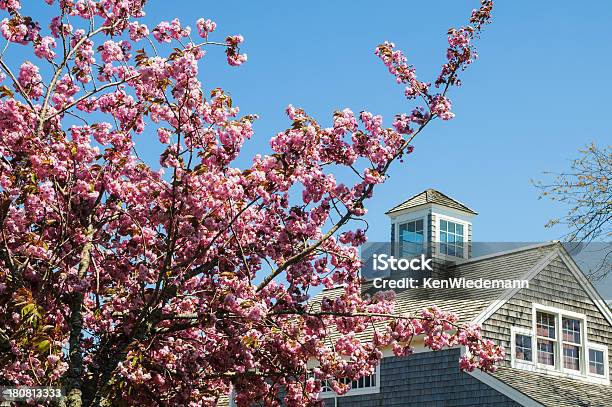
[558, 392]
[431, 196]
[466, 303]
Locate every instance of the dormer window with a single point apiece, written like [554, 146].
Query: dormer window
[451, 238]
[411, 238]
[560, 346]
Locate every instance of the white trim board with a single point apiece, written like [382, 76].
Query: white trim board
[562, 254]
[504, 389]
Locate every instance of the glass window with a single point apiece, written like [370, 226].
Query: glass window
[596, 362]
[522, 347]
[571, 357]
[451, 238]
[545, 330]
[326, 386]
[545, 325]
[546, 352]
[571, 330]
[411, 238]
[571, 343]
[364, 382]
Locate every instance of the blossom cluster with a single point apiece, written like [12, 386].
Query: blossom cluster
[459, 55]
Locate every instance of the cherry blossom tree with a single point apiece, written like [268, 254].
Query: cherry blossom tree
[135, 286]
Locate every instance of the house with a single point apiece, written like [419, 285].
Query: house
[556, 329]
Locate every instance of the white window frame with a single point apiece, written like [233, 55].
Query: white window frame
[439, 218]
[582, 352]
[356, 392]
[408, 220]
[520, 362]
[558, 369]
[559, 313]
[555, 341]
[601, 348]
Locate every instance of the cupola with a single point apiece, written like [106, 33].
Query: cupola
[434, 224]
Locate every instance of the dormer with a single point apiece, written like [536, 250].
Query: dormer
[434, 224]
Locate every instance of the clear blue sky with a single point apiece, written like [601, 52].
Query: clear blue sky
[539, 91]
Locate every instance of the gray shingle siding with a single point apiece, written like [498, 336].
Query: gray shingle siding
[554, 286]
[426, 379]
[469, 240]
[431, 233]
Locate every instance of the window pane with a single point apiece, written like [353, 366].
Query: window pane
[571, 357]
[419, 224]
[326, 385]
[458, 251]
[523, 347]
[451, 227]
[596, 362]
[459, 229]
[546, 352]
[443, 226]
[443, 237]
[411, 238]
[545, 325]
[571, 330]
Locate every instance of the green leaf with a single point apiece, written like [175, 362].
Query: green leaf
[44, 345]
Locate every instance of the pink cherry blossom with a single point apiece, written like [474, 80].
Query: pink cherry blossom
[234, 57]
[115, 51]
[166, 32]
[138, 31]
[205, 27]
[30, 80]
[18, 29]
[44, 49]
